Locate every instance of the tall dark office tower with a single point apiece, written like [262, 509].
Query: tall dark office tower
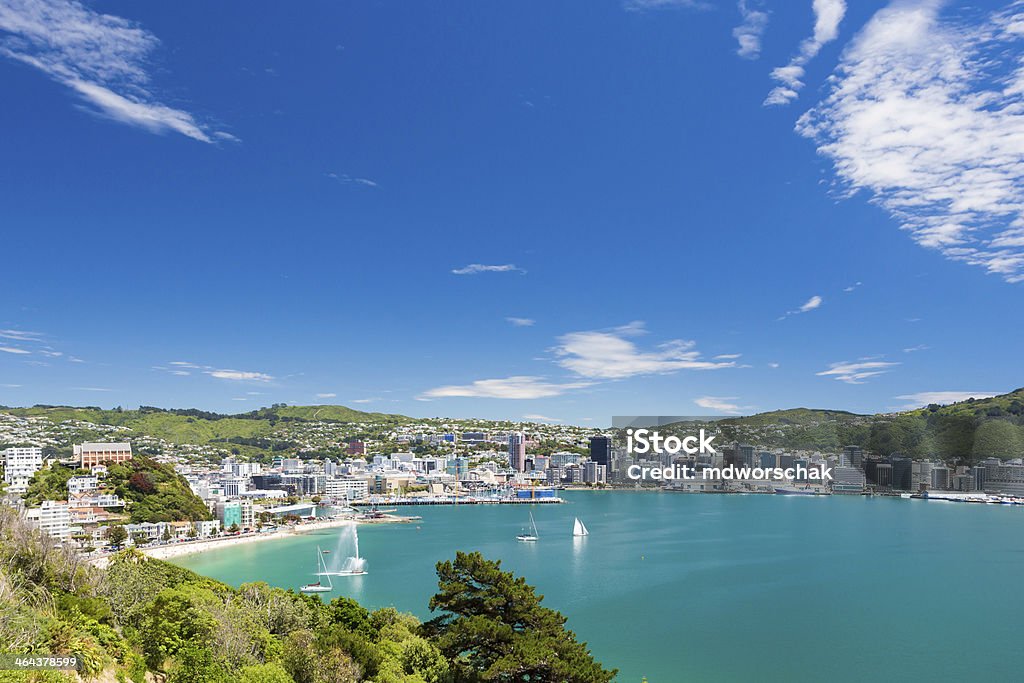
[902, 476]
[746, 455]
[601, 451]
[853, 456]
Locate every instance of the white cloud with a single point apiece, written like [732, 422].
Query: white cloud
[184, 364]
[773, 365]
[748, 34]
[100, 389]
[10, 386]
[346, 179]
[919, 347]
[326, 395]
[518, 387]
[942, 397]
[827, 16]
[22, 335]
[727, 356]
[609, 355]
[857, 372]
[720, 403]
[640, 5]
[521, 322]
[809, 305]
[928, 117]
[240, 375]
[852, 287]
[14, 349]
[540, 418]
[101, 57]
[364, 400]
[476, 268]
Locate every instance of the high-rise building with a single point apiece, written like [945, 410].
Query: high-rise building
[91, 454]
[19, 466]
[601, 451]
[902, 472]
[853, 456]
[594, 473]
[745, 455]
[517, 451]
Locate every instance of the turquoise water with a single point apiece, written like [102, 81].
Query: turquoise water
[679, 587]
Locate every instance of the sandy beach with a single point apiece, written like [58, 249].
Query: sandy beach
[166, 552]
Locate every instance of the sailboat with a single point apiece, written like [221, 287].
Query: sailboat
[321, 569]
[578, 529]
[527, 537]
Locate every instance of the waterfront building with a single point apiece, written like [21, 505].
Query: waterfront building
[921, 475]
[235, 486]
[902, 473]
[853, 456]
[517, 451]
[601, 452]
[940, 478]
[766, 460]
[847, 479]
[594, 473]
[349, 488]
[90, 454]
[1006, 478]
[20, 464]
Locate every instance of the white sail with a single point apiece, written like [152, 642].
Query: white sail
[578, 529]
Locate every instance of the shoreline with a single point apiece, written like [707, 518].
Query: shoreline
[168, 552]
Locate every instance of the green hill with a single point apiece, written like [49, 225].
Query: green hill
[967, 431]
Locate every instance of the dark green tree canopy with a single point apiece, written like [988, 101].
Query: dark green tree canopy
[494, 628]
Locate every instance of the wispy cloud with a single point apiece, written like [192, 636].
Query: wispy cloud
[748, 34]
[852, 287]
[240, 375]
[827, 16]
[98, 389]
[609, 354]
[521, 322]
[102, 58]
[720, 403]
[858, 371]
[477, 268]
[773, 365]
[914, 349]
[327, 395]
[925, 398]
[640, 5]
[346, 179]
[22, 335]
[14, 349]
[727, 356]
[809, 305]
[540, 418]
[928, 116]
[517, 387]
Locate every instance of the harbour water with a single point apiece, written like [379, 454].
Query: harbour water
[679, 587]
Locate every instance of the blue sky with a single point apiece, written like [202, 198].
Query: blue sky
[557, 210]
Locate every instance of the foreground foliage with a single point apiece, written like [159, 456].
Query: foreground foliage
[142, 618]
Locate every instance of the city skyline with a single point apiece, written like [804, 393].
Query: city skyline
[556, 213]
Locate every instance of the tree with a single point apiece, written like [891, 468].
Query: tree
[167, 533]
[233, 529]
[116, 535]
[495, 629]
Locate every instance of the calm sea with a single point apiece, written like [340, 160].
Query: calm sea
[679, 587]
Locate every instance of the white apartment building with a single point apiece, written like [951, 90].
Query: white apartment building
[51, 518]
[350, 489]
[82, 484]
[19, 466]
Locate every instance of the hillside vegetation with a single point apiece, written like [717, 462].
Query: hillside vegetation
[144, 620]
[968, 431]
